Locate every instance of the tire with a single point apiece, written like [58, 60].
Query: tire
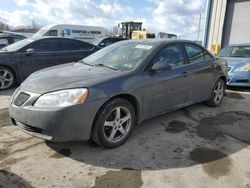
[7, 78]
[217, 94]
[111, 129]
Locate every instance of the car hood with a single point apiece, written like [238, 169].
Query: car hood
[71, 75]
[238, 64]
[235, 61]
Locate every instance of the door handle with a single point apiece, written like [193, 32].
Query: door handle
[213, 65]
[185, 74]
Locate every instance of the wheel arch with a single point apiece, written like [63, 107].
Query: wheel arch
[15, 73]
[224, 78]
[130, 98]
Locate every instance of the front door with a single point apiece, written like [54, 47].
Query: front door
[168, 89]
[38, 55]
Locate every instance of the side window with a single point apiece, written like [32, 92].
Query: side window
[207, 55]
[45, 45]
[194, 53]
[107, 42]
[172, 55]
[72, 45]
[51, 33]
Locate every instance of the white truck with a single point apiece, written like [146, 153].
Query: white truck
[85, 33]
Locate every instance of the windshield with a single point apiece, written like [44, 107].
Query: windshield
[40, 33]
[18, 45]
[235, 51]
[120, 56]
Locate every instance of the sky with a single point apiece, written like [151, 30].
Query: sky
[172, 16]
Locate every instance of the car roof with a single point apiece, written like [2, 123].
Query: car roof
[156, 42]
[54, 37]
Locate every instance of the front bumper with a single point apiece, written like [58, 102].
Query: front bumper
[241, 79]
[55, 124]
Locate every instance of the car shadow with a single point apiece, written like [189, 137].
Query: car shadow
[178, 139]
[241, 89]
[9, 179]
[8, 92]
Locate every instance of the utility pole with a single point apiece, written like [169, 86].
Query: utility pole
[199, 28]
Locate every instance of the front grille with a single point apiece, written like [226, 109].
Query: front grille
[21, 99]
[27, 127]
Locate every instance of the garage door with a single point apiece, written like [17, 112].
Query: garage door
[237, 22]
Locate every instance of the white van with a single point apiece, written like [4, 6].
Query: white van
[85, 33]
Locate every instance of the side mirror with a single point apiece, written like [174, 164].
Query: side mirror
[102, 44]
[30, 51]
[160, 66]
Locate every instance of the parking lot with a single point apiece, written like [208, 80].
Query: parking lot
[196, 146]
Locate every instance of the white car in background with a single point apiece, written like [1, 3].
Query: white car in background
[80, 32]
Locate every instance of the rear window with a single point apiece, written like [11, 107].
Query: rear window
[194, 53]
[45, 45]
[72, 45]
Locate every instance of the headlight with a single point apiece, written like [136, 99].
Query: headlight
[244, 68]
[62, 98]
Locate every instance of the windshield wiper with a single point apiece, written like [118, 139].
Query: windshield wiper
[86, 63]
[103, 65]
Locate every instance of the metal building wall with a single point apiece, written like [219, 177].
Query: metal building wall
[237, 23]
[228, 23]
[215, 22]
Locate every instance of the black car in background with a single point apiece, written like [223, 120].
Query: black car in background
[105, 41]
[19, 60]
[9, 38]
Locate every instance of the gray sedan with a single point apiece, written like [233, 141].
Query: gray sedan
[238, 59]
[106, 94]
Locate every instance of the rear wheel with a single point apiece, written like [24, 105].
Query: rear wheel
[7, 78]
[114, 123]
[217, 94]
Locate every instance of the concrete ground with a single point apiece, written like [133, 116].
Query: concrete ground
[196, 146]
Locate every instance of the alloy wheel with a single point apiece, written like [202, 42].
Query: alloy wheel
[6, 79]
[218, 92]
[117, 124]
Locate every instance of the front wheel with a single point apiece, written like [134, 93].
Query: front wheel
[114, 123]
[217, 94]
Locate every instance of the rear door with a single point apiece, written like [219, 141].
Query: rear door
[73, 50]
[45, 54]
[203, 72]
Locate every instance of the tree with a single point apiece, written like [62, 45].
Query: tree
[4, 27]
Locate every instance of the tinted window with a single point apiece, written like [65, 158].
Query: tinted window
[107, 42]
[194, 53]
[51, 33]
[171, 55]
[45, 45]
[68, 45]
[207, 55]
